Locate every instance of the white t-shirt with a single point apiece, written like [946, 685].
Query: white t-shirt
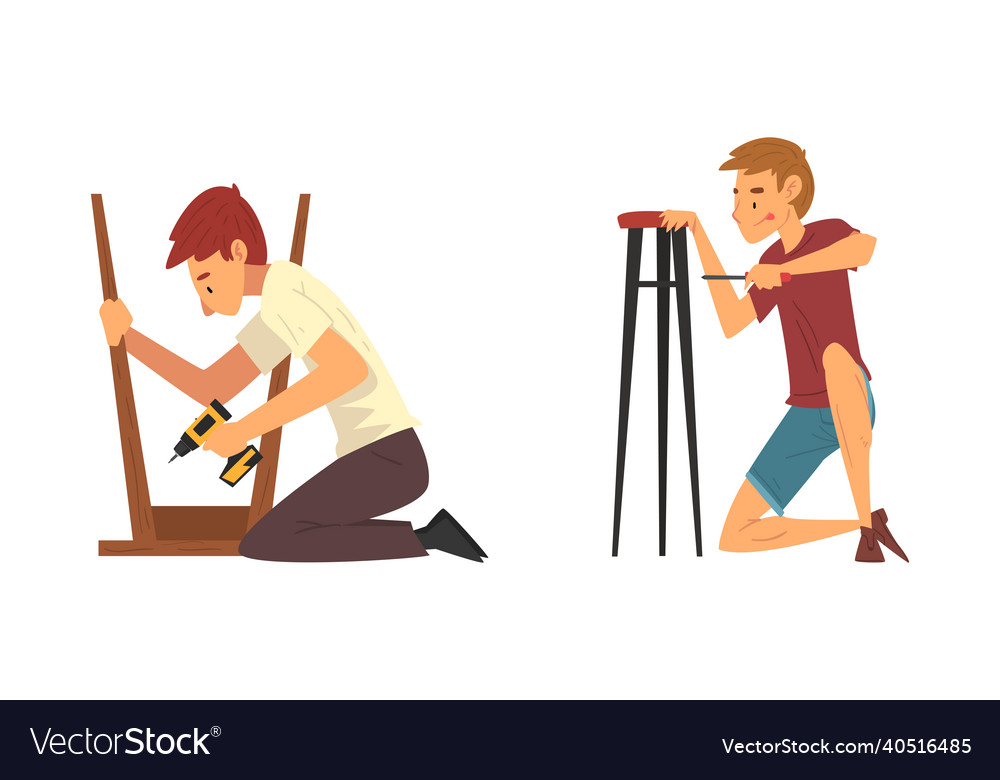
[295, 310]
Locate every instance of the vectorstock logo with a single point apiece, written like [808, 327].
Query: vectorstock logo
[136, 741]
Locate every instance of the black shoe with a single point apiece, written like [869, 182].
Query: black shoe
[445, 534]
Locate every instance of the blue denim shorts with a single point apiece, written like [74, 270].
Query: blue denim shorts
[802, 440]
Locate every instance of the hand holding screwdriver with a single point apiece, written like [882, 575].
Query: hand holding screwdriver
[764, 276]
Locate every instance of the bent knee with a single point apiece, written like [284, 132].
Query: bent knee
[836, 358]
[727, 543]
[735, 533]
[255, 542]
[248, 549]
[730, 543]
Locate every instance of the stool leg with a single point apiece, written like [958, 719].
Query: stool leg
[687, 366]
[663, 365]
[633, 257]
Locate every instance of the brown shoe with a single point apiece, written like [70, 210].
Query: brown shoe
[883, 535]
[868, 549]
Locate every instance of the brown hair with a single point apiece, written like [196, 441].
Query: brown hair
[781, 157]
[211, 222]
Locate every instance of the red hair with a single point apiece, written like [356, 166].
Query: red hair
[211, 223]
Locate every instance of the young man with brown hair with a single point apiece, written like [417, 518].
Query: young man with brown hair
[380, 464]
[831, 402]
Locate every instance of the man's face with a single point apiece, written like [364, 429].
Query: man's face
[759, 207]
[219, 282]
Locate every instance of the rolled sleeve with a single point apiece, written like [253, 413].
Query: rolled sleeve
[262, 345]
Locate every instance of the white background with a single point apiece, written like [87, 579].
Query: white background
[466, 164]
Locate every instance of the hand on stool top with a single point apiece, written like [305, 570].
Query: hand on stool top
[679, 219]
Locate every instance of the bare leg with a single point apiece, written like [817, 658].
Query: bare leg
[747, 531]
[845, 385]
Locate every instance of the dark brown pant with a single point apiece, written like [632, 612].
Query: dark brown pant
[329, 517]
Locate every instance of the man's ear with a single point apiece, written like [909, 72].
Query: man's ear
[208, 312]
[238, 250]
[791, 188]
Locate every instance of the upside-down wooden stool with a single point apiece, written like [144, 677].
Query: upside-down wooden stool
[184, 530]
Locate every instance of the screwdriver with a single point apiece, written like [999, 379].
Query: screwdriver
[713, 277]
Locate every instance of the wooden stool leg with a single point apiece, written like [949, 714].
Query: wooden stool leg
[139, 509]
[687, 366]
[264, 482]
[633, 257]
[663, 364]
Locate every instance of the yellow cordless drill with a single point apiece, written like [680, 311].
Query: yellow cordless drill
[238, 466]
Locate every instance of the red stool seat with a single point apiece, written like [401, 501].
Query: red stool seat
[639, 219]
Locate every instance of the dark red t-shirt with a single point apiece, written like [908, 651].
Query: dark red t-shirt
[815, 311]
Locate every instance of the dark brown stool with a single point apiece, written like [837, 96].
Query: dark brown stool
[635, 222]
